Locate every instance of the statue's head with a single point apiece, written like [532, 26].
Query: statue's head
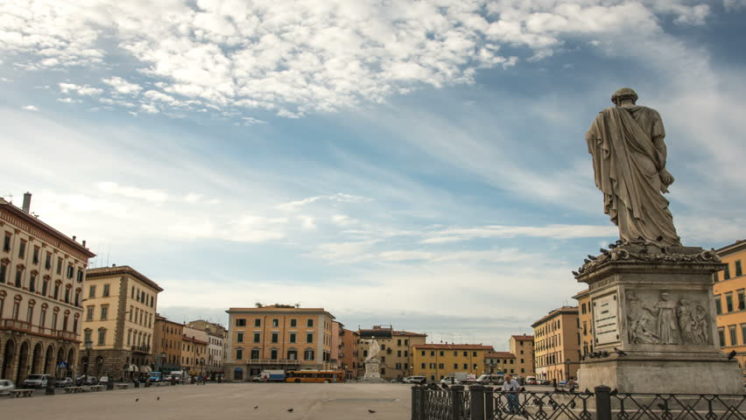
[622, 94]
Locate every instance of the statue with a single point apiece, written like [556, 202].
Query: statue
[667, 328]
[629, 162]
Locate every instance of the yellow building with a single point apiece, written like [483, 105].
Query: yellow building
[435, 361]
[499, 362]
[585, 317]
[730, 301]
[395, 349]
[167, 343]
[194, 345]
[119, 320]
[522, 347]
[41, 281]
[215, 336]
[277, 337]
[557, 349]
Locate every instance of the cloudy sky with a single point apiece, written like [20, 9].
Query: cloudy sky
[415, 163]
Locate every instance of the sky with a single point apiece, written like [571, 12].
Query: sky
[420, 164]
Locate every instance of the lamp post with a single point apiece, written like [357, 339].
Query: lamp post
[88, 347]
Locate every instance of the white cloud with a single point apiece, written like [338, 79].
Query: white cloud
[150, 195]
[497, 231]
[122, 86]
[29, 108]
[83, 90]
[338, 198]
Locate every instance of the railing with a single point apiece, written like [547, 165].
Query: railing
[141, 349]
[24, 326]
[431, 402]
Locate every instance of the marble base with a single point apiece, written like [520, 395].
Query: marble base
[653, 322]
[372, 371]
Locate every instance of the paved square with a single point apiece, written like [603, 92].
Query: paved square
[221, 401]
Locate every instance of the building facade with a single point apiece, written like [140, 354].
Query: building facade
[557, 344]
[395, 348]
[41, 283]
[119, 322]
[499, 362]
[349, 353]
[729, 292]
[167, 344]
[585, 318]
[522, 347]
[194, 345]
[277, 337]
[216, 335]
[436, 361]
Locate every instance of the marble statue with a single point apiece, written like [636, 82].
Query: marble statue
[667, 325]
[629, 162]
[373, 349]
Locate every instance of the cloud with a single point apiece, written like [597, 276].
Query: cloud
[83, 90]
[151, 195]
[29, 108]
[297, 56]
[497, 231]
[336, 198]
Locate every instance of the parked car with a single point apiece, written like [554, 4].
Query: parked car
[415, 380]
[6, 385]
[36, 380]
[65, 382]
[86, 380]
[103, 380]
[531, 380]
[256, 378]
[490, 379]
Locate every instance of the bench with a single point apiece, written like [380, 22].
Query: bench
[121, 386]
[18, 393]
[96, 388]
[73, 389]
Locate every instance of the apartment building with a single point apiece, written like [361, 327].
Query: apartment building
[395, 348]
[277, 337]
[499, 362]
[167, 337]
[194, 344]
[585, 318]
[557, 344]
[522, 347]
[215, 334]
[41, 282]
[349, 353]
[729, 292]
[436, 361]
[119, 320]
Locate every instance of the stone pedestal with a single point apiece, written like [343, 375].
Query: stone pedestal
[653, 322]
[372, 370]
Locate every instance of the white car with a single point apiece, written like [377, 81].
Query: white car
[36, 380]
[6, 385]
[415, 380]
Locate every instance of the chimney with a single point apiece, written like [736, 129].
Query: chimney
[26, 202]
[83, 243]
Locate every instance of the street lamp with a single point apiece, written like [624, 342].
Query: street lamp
[88, 347]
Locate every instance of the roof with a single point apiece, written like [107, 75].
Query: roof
[33, 220]
[559, 311]
[522, 337]
[274, 308]
[409, 334]
[121, 270]
[500, 355]
[734, 247]
[582, 294]
[453, 347]
[192, 339]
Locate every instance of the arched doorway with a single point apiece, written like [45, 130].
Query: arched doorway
[238, 374]
[70, 362]
[49, 360]
[9, 353]
[36, 359]
[60, 359]
[99, 366]
[22, 362]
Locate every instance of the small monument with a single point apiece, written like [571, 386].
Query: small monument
[653, 316]
[373, 363]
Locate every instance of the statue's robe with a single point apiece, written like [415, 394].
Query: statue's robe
[628, 157]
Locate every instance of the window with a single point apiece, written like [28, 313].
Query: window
[32, 282]
[257, 322]
[309, 338]
[48, 261]
[80, 275]
[104, 312]
[455, 365]
[89, 313]
[741, 300]
[87, 335]
[106, 290]
[743, 333]
[101, 336]
[35, 257]
[726, 272]
[732, 333]
[239, 354]
[293, 322]
[275, 323]
[273, 354]
[441, 366]
[718, 305]
[292, 354]
[257, 337]
[239, 337]
[423, 365]
[240, 322]
[3, 272]
[70, 271]
[254, 354]
[308, 354]
[22, 249]
[6, 242]
[292, 337]
[309, 323]
[440, 353]
[275, 338]
[739, 270]
[398, 342]
[466, 366]
[721, 336]
[729, 302]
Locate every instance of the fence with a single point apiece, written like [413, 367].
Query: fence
[485, 403]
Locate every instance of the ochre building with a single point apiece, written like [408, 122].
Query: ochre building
[729, 293]
[41, 283]
[522, 347]
[557, 344]
[167, 344]
[395, 348]
[119, 322]
[499, 362]
[436, 361]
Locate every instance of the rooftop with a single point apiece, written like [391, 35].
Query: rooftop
[523, 337]
[569, 310]
[278, 309]
[739, 245]
[119, 270]
[453, 347]
[500, 355]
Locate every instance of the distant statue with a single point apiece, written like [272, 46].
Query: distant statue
[373, 349]
[629, 162]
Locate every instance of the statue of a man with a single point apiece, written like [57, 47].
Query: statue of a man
[629, 162]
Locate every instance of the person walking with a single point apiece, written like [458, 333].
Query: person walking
[511, 390]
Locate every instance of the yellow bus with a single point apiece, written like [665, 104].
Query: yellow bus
[325, 376]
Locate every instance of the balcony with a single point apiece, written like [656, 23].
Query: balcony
[141, 349]
[290, 362]
[26, 327]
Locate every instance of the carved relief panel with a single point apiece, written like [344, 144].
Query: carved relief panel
[665, 317]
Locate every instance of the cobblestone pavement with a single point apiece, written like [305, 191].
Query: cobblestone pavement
[220, 401]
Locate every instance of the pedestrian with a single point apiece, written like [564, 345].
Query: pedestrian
[511, 390]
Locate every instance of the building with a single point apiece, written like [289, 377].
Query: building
[349, 353]
[41, 284]
[337, 328]
[585, 318]
[119, 322]
[557, 344]
[729, 292]
[194, 345]
[499, 362]
[277, 337]
[216, 335]
[522, 347]
[167, 337]
[436, 361]
[395, 349]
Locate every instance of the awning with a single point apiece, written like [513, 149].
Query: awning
[145, 369]
[131, 368]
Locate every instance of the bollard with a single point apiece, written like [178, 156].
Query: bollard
[489, 403]
[603, 402]
[477, 402]
[50, 387]
[457, 398]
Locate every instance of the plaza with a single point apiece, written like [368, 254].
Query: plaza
[221, 401]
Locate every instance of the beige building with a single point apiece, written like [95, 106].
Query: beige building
[215, 334]
[585, 319]
[41, 282]
[499, 362]
[349, 353]
[277, 337]
[729, 293]
[194, 344]
[557, 344]
[118, 322]
[436, 361]
[522, 347]
[395, 348]
[167, 342]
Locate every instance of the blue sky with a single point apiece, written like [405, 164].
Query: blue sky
[420, 164]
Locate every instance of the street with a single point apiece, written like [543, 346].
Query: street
[213, 401]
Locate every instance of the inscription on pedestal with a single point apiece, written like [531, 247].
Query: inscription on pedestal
[606, 319]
